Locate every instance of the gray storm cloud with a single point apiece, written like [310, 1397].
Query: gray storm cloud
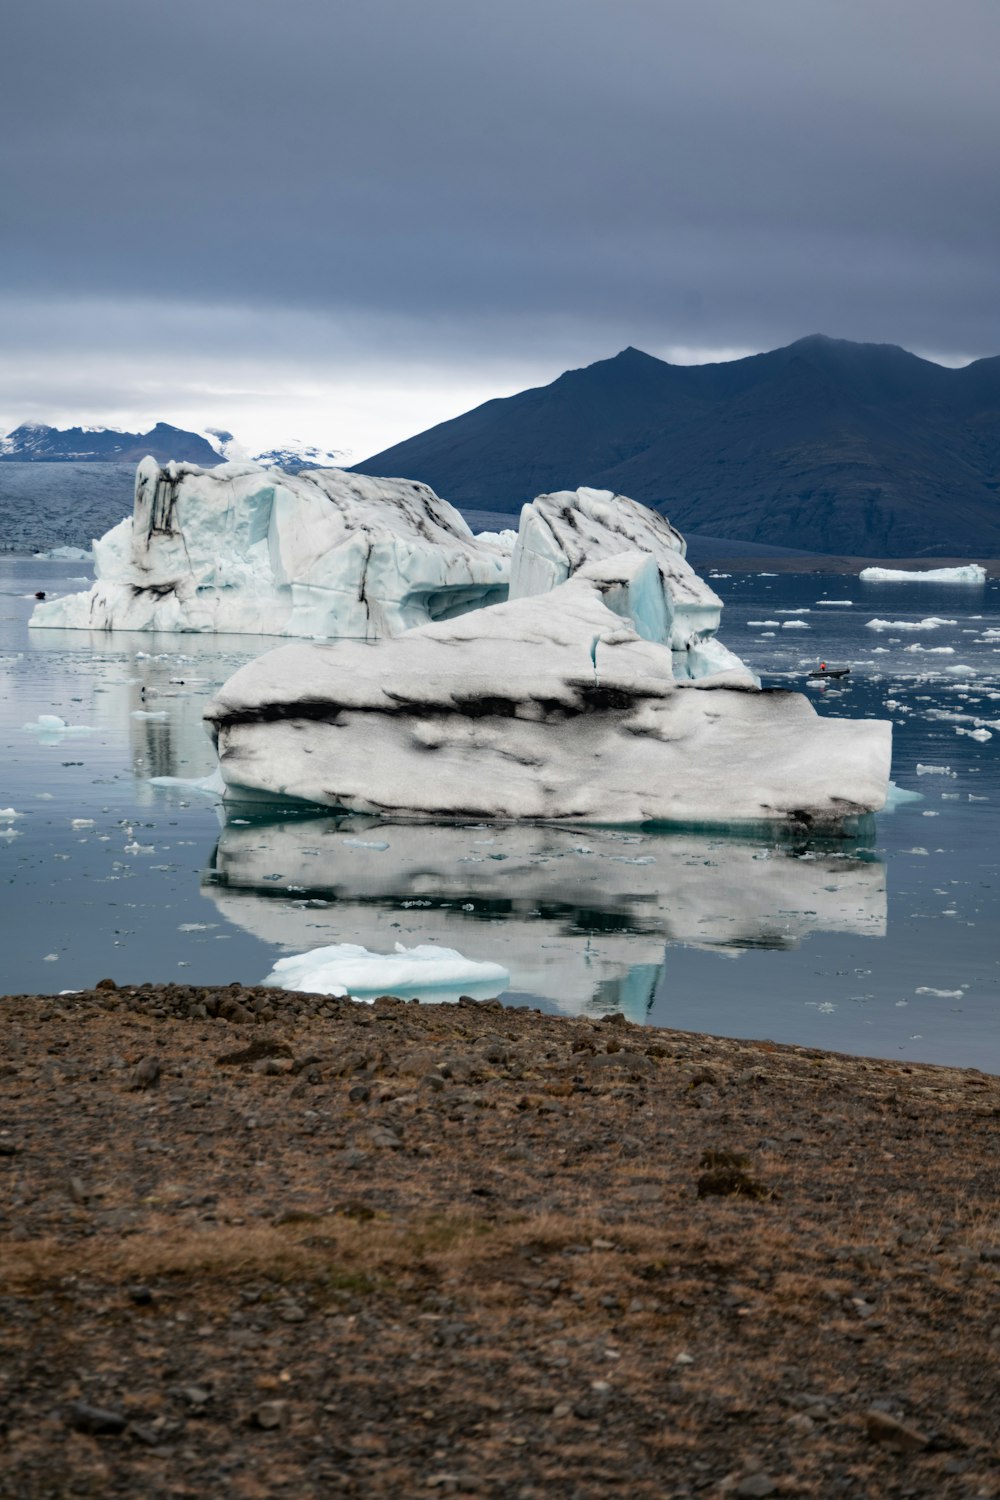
[709, 172]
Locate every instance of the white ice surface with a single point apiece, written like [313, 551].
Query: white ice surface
[563, 533]
[932, 622]
[546, 707]
[968, 573]
[350, 969]
[65, 554]
[243, 549]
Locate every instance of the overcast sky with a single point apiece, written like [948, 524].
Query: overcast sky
[344, 220]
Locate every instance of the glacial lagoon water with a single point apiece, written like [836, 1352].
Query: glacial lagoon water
[887, 945]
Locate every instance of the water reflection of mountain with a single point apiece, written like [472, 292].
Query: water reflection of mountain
[580, 918]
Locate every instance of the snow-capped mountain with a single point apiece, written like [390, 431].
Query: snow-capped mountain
[35, 442]
[300, 456]
[295, 455]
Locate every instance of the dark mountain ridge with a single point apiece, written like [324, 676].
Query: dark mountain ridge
[34, 442]
[827, 445]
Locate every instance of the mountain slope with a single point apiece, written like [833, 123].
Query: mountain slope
[33, 442]
[826, 444]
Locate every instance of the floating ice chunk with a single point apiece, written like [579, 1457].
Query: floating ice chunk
[899, 796]
[81, 823]
[831, 603]
[365, 843]
[8, 813]
[52, 728]
[982, 735]
[795, 625]
[762, 624]
[505, 540]
[65, 554]
[136, 848]
[926, 989]
[967, 573]
[348, 969]
[933, 622]
[151, 713]
[51, 958]
[245, 549]
[545, 707]
[930, 650]
[211, 785]
[931, 770]
[637, 558]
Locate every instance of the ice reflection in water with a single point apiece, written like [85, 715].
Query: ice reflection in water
[580, 918]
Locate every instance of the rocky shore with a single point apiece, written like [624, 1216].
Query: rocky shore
[257, 1244]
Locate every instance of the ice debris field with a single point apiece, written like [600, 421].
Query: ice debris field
[884, 943]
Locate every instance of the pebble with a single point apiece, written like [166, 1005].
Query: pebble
[145, 1074]
[95, 1420]
[756, 1487]
[269, 1414]
[882, 1428]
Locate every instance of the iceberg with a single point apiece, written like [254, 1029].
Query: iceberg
[246, 549]
[555, 706]
[350, 969]
[572, 529]
[967, 573]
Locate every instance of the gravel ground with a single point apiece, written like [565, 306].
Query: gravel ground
[257, 1244]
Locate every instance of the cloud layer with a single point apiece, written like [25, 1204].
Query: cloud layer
[451, 193]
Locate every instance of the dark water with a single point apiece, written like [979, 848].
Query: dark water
[887, 945]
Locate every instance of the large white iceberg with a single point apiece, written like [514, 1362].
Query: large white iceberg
[323, 553]
[548, 707]
[572, 529]
[967, 573]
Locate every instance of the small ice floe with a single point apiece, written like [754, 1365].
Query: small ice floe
[926, 989]
[65, 554]
[916, 648]
[764, 624]
[8, 814]
[207, 786]
[364, 843]
[930, 770]
[795, 625]
[967, 573]
[899, 796]
[349, 969]
[830, 603]
[932, 622]
[50, 958]
[982, 735]
[149, 713]
[81, 822]
[136, 848]
[51, 729]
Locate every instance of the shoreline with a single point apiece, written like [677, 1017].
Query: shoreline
[390, 1248]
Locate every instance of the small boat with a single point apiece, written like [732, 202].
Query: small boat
[824, 671]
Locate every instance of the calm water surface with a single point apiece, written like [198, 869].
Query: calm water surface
[887, 945]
